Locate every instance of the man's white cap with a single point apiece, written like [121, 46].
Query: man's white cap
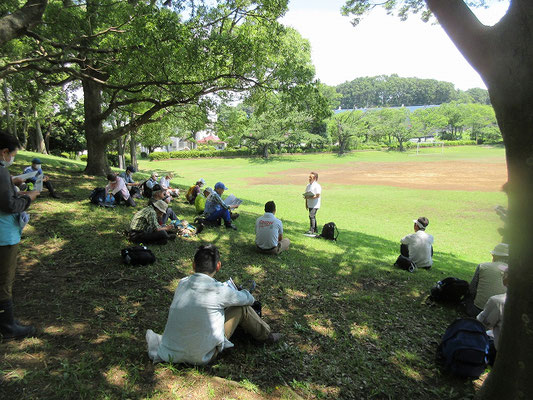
[202, 181]
[210, 190]
[501, 249]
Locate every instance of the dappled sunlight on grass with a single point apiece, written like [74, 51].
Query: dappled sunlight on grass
[116, 376]
[363, 332]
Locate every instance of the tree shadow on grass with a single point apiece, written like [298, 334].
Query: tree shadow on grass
[354, 326]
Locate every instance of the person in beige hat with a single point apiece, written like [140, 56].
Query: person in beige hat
[487, 280]
[145, 228]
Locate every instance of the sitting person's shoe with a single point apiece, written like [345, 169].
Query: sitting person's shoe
[310, 232]
[54, 195]
[231, 226]
[171, 235]
[273, 337]
[234, 216]
[199, 228]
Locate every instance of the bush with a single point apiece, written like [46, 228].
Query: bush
[144, 154]
[83, 157]
[164, 155]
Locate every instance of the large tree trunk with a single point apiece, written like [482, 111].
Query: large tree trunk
[503, 55]
[94, 131]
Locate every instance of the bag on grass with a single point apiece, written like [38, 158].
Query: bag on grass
[406, 263]
[330, 231]
[97, 196]
[449, 290]
[464, 348]
[137, 255]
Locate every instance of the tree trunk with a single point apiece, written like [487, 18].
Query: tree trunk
[511, 375]
[8, 107]
[15, 24]
[38, 140]
[133, 150]
[265, 151]
[97, 163]
[24, 133]
[120, 151]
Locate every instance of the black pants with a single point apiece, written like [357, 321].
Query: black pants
[119, 198]
[312, 219]
[155, 237]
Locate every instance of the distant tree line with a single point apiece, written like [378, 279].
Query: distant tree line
[395, 91]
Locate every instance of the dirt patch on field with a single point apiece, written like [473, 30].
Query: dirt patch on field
[437, 175]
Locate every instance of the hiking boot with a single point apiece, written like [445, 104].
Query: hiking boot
[273, 337]
[9, 327]
[231, 226]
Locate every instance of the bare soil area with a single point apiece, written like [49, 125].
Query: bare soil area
[436, 175]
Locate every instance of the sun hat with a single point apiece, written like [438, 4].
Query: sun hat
[501, 249]
[220, 185]
[161, 205]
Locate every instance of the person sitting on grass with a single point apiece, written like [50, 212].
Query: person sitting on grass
[164, 182]
[487, 280]
[418, 247]
[36, 166]
[204, 315]
[199, 202]
[269, 232]
[159, 194]
[148, 186]
[117, 187]
[133, 187]
[216, 209]
[145, 227]
[194, 191]
[492, 315]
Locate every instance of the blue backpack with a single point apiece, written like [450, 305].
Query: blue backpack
[464, 348]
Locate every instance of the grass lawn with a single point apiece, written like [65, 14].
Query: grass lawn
[354, 327]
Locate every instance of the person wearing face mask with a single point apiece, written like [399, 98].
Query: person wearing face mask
[12, 205]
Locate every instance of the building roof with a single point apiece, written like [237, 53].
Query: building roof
[210, 138]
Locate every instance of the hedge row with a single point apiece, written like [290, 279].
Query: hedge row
[164, 155]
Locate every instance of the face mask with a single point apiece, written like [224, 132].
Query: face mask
[8, 163]
[37, 166]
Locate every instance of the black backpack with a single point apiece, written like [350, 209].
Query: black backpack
[464, 348]
[330, 231]
[137, 255]
[449, 290]
[97, 196]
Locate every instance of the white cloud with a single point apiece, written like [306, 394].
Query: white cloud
[382, 45]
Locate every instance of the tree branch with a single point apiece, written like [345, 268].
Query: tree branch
[470, 36]
[16, 24]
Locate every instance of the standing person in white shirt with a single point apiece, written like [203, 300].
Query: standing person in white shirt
[418, 246]
[312, 201]
[269, 232]
[204, 314]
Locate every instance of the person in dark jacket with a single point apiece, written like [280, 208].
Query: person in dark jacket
[12, 207]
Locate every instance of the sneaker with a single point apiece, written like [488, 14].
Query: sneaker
[234, 216]
[310, 232]
[231, 226]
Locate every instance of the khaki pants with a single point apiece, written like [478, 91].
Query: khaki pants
[246, 318]
[8, 266]
[282, 246]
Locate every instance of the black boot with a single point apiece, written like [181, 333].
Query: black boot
[9, 327]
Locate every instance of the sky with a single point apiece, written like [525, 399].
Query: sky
[382, 45]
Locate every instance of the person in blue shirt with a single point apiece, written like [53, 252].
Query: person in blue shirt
[215, 208]
[133, 187]
[36, 166]
[13, 205]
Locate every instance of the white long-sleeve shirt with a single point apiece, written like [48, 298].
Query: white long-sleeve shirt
[195, 324]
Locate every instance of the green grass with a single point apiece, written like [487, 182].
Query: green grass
[354, 327]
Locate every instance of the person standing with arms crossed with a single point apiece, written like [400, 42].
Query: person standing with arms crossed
[312, 201]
